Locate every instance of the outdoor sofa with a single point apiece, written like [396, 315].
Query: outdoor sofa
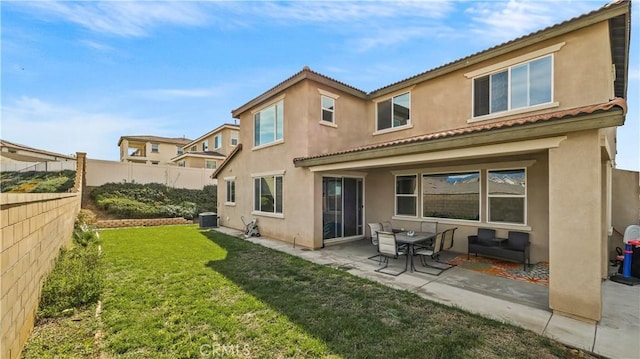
[514, 248]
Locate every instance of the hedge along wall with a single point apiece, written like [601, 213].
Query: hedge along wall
[34, 226]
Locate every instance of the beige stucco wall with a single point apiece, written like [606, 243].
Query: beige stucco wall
[100, 172]
[575, 226]
[166, 152]
[625, 205]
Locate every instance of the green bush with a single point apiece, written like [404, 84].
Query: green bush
[39, 182]
[75, 281]
[153, 200]
[76, 278]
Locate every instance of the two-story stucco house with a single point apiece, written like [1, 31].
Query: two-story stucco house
[150, 149]
[210, 149]
[521, 136]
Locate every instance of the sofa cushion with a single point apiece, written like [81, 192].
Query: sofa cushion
[486, 236]
[517, 241]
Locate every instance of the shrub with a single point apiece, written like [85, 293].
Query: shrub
[75, 281]
[85, 230]
[153, 200]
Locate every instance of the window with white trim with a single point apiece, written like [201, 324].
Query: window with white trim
[217, 141]
[155, 148]
[268, 124]
[394, 112]
[407, 195]
[519, 86]
[231, 190]
[194, 148]
[210, 164]
[451, 195]
[234, 138]
[328, 109]
[205, 146]
[507, 196]
[179, 150]
[181, 163]
[268, 194]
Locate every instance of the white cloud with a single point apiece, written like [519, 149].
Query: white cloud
[35, 123]
[128, 19]
[502, 21]
[168, 94]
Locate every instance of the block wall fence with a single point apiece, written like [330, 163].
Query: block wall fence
[34, 226]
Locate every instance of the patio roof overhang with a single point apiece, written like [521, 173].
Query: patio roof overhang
[505, 140]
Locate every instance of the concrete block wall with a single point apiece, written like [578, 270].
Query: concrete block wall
[33, 228]
[120, 223]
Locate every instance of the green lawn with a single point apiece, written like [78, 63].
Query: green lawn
[178, 292]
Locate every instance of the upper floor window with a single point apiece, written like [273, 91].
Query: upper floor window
[217, 141]
[194, 148]
[394, 112]
[328, 109]
[179, 150]
[518, 86]
[205, 146]
[211, 164]
[234, 138]
[155, 148]
[268, 124]
[507, 196]
[181, 164]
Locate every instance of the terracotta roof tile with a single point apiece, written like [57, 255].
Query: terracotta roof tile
[584, 110]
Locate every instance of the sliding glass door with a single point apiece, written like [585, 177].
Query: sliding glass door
[342, 207]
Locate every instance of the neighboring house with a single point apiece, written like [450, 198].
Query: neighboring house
[150, 149]
[209, 150]
[15, 157]
[521, 136]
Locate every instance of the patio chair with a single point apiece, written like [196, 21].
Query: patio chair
[447, 244]
[374, 228]
[433, 253]
[388, 248]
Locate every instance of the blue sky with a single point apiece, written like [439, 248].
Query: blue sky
[78, 75]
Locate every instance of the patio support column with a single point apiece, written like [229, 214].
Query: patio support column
[575, 227]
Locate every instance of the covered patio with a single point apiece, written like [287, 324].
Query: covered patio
[507, 300]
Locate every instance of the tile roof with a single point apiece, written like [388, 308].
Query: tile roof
[17, 146]
[541, 118]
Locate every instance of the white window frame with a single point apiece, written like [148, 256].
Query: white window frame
[480, 194]
[217, 141]
[155, 148]
[234, 138]
[414, 195]
[181, 163]
[179, 150]
[194, 148]
[207, 162]
[205, 146]
[278, 136]
[525, 196]
[331, 110]
[274, 176]
[230, 195]
[392, 128]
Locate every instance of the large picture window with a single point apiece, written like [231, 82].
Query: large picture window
[507, 192]
[407, 195]
[518, 86]
[394, 112]
[268, 124]
[451, 195]
[268, 194]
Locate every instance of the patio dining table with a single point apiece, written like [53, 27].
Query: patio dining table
[411, 241]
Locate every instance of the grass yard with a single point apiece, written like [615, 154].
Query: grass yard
[178, 292]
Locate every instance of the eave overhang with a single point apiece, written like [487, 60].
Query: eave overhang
[527, 131]
[227, 160]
